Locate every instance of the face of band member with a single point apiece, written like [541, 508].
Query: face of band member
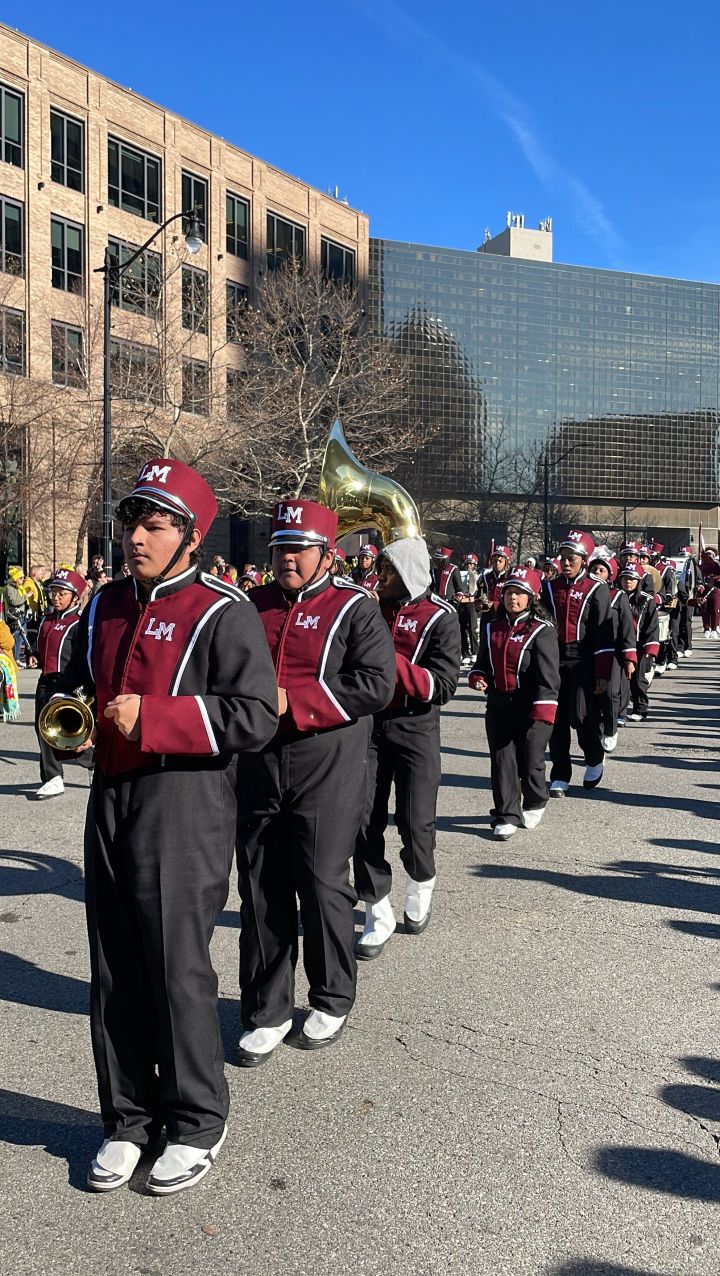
[365, 562]
[515, 601]
[149, 544]
[294, 565]
[570, 563]
[61, 599]
[499, 562]
[601, 570]
[629, 584]
[390, 583]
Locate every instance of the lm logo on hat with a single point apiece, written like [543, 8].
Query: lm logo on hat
[290, 514]
[153, 473]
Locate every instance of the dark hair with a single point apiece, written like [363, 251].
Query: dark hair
[536, 609]
[133, 508]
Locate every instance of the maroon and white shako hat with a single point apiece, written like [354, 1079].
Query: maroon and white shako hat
[524, 578]
[442, 551]
[369, 550]
[64, 578]
[299, 522]
[579, 543]
[179, 489]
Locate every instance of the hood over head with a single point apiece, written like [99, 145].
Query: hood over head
[411, 560]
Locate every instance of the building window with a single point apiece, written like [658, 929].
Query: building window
[67, 355]
[236, 300]
[337, 262]
[237, 217]
[194, 299]
[66, 150]
[133, 180]
[195, 386]
[233, 394]
[195, 195]
[11, 113]
[284, 240]
[12, 341]
[135, 372]
[11, 237]
[67, 255]
[139, 286]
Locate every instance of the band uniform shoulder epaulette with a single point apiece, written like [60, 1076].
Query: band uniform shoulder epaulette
[442, 602]
[222, 587]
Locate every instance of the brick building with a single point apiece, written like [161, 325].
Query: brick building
[84, 164]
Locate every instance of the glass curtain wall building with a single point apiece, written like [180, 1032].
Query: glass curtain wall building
[604, 385]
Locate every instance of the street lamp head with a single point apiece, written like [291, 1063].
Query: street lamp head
[193, 235]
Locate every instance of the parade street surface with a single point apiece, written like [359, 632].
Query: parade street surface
[531, 1086]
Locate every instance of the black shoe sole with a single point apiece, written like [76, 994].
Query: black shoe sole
[301, 1042]
[369, 952]
[246, 1058]
[591, 784]
[558, 793]
[417, 928]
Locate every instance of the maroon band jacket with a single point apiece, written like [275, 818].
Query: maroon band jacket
[623, 626]
[581, 609]
[56, 641]
[331, 650]
[193, 649]
[426, 637]
[644, 612]
[448, 581]
[521, 656]
[368, 581]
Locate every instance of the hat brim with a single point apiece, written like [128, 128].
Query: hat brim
[305, 539]
[163, 500]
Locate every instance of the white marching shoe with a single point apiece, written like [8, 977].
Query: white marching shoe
[593, 776]
[320, 1029]
[531, 819]
[687, 653]
[660, 669]
[418, 904]
[558, 788]
[113, 1165]
[609, 742]
[715, 634]
[379, 926]
[51, 788]
[672, 664]
[256, 1046]
[181, 1166]
[504, 831]
[708, 633]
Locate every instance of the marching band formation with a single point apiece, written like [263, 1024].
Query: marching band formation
[271, 724]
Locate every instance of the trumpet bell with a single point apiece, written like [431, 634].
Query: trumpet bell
[67, 722]
[361, 497]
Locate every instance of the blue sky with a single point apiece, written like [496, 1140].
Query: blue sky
[437, 118]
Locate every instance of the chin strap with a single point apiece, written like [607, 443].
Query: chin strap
[189, 529]
[308, 583]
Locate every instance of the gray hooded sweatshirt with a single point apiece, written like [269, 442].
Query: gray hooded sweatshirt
[411, 561]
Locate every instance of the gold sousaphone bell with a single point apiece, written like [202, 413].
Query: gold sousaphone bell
[67, 722]
[362, 498]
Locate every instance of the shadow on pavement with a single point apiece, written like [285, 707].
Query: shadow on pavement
[29, 873]
[702, 930]
[684, 844]
[26, 984]
[655, 884]
[661, 1170]
[65, 1132]
[592, 1267]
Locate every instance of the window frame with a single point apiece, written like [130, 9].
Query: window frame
[244, 248]
[118, 346]
[68, 119]
[118, 295]
[7, 312]
[188, 303]
[65, 222]
[13, 203]
[58, 325]
[275, 260]
[203, 219]
[145, 156]
[190, 405]
[6, 89]
[327, 243]
[232, 327]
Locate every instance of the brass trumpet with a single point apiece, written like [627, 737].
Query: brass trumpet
[361, 497]
[67, 722]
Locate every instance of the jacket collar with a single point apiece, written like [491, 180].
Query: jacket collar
[173, 585]
[308, 591]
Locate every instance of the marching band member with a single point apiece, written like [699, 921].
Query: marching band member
[467, 613]
[494, 576]
[710, 594]
[518, 664]
[337, 567]
[302, 797]
[645, 622]
[365, 574]
[446, 579]
[603, 566]
[405, 744]
[183, 681]
[55, 645]
[688, 582]
[580, 607]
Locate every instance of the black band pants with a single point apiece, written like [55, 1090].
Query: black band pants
[517, 757]
[467, 616]
[407, 750]
[577, 707]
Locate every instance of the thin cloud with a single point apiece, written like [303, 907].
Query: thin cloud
[512, 112]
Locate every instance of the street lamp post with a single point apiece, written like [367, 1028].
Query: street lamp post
[110, 269]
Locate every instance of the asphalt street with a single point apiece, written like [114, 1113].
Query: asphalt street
[532, 1086]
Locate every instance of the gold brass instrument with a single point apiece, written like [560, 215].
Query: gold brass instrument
[362, 498]
[67, 722]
